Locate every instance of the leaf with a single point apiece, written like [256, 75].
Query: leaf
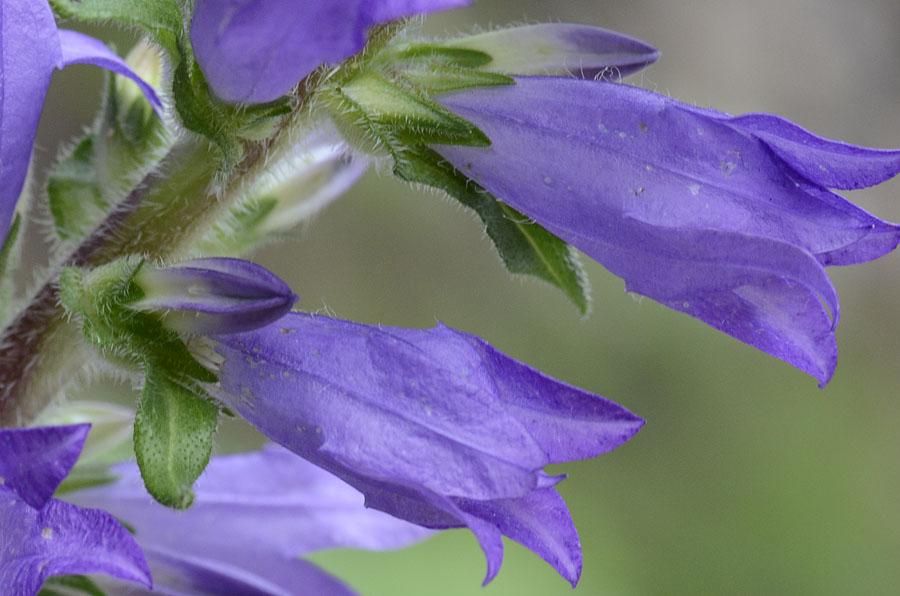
[405, 113]
[439, 78]
[524, 246]
[175, 422]
[426, 53]
[173, 438]
[202, 113]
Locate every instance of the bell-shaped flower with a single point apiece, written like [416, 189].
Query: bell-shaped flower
[726, 218]
[253, 516]
[31, 47]
[255, 51]
[213, 295]
[41, 536]
[434, 426]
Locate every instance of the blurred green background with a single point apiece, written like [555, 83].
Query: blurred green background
[747, 479]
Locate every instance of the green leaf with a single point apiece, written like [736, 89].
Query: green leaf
[405, 113]
[431, 54]
[202, 113]
[173, 438]
[75, 199]
[524, 246]
[175, 422]
[125, 143]
[439, 78]
[160, 18]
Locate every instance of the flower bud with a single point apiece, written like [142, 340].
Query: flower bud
[213, 296]
[560, 49]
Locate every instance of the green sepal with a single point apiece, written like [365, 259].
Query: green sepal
[69, 585]
[130, 140]
[432, 54]
[75, 198]
[101, 297]
[440, 78]
[202, 113]
[227, 126]
[161, 19]
[401, 111]
[241, 230]
[524, 246]
[173, 437]
[176, 420]
[126, 141]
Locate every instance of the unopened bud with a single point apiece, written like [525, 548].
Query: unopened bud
[213, 296]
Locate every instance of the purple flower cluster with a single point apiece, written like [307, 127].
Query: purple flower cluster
[728, 219]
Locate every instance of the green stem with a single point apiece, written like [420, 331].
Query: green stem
[163, 217]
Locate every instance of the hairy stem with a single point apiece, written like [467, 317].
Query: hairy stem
[163, 216]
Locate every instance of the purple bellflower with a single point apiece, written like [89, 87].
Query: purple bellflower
[32, 47]
[434, 426]
[213, 295]
[726, 218]
[41, 536]
[253, 516]
[255, 51]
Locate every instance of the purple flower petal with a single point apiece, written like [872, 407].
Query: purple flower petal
[562, 49]
[34, 461]
[214, 295]
[282, 505]
[423, 422]
[540, 521]
[62, 539]
[31, 49]
[381, 11]
[177, 574]
[40, 536]
[255, 51]
[831, 164]
[78, 48]
[691, 207]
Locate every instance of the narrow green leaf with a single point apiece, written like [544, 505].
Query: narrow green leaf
[431, 54]
[441, 78]
[173, 438]
[406, 113]
[524, 246]
[202, 113]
